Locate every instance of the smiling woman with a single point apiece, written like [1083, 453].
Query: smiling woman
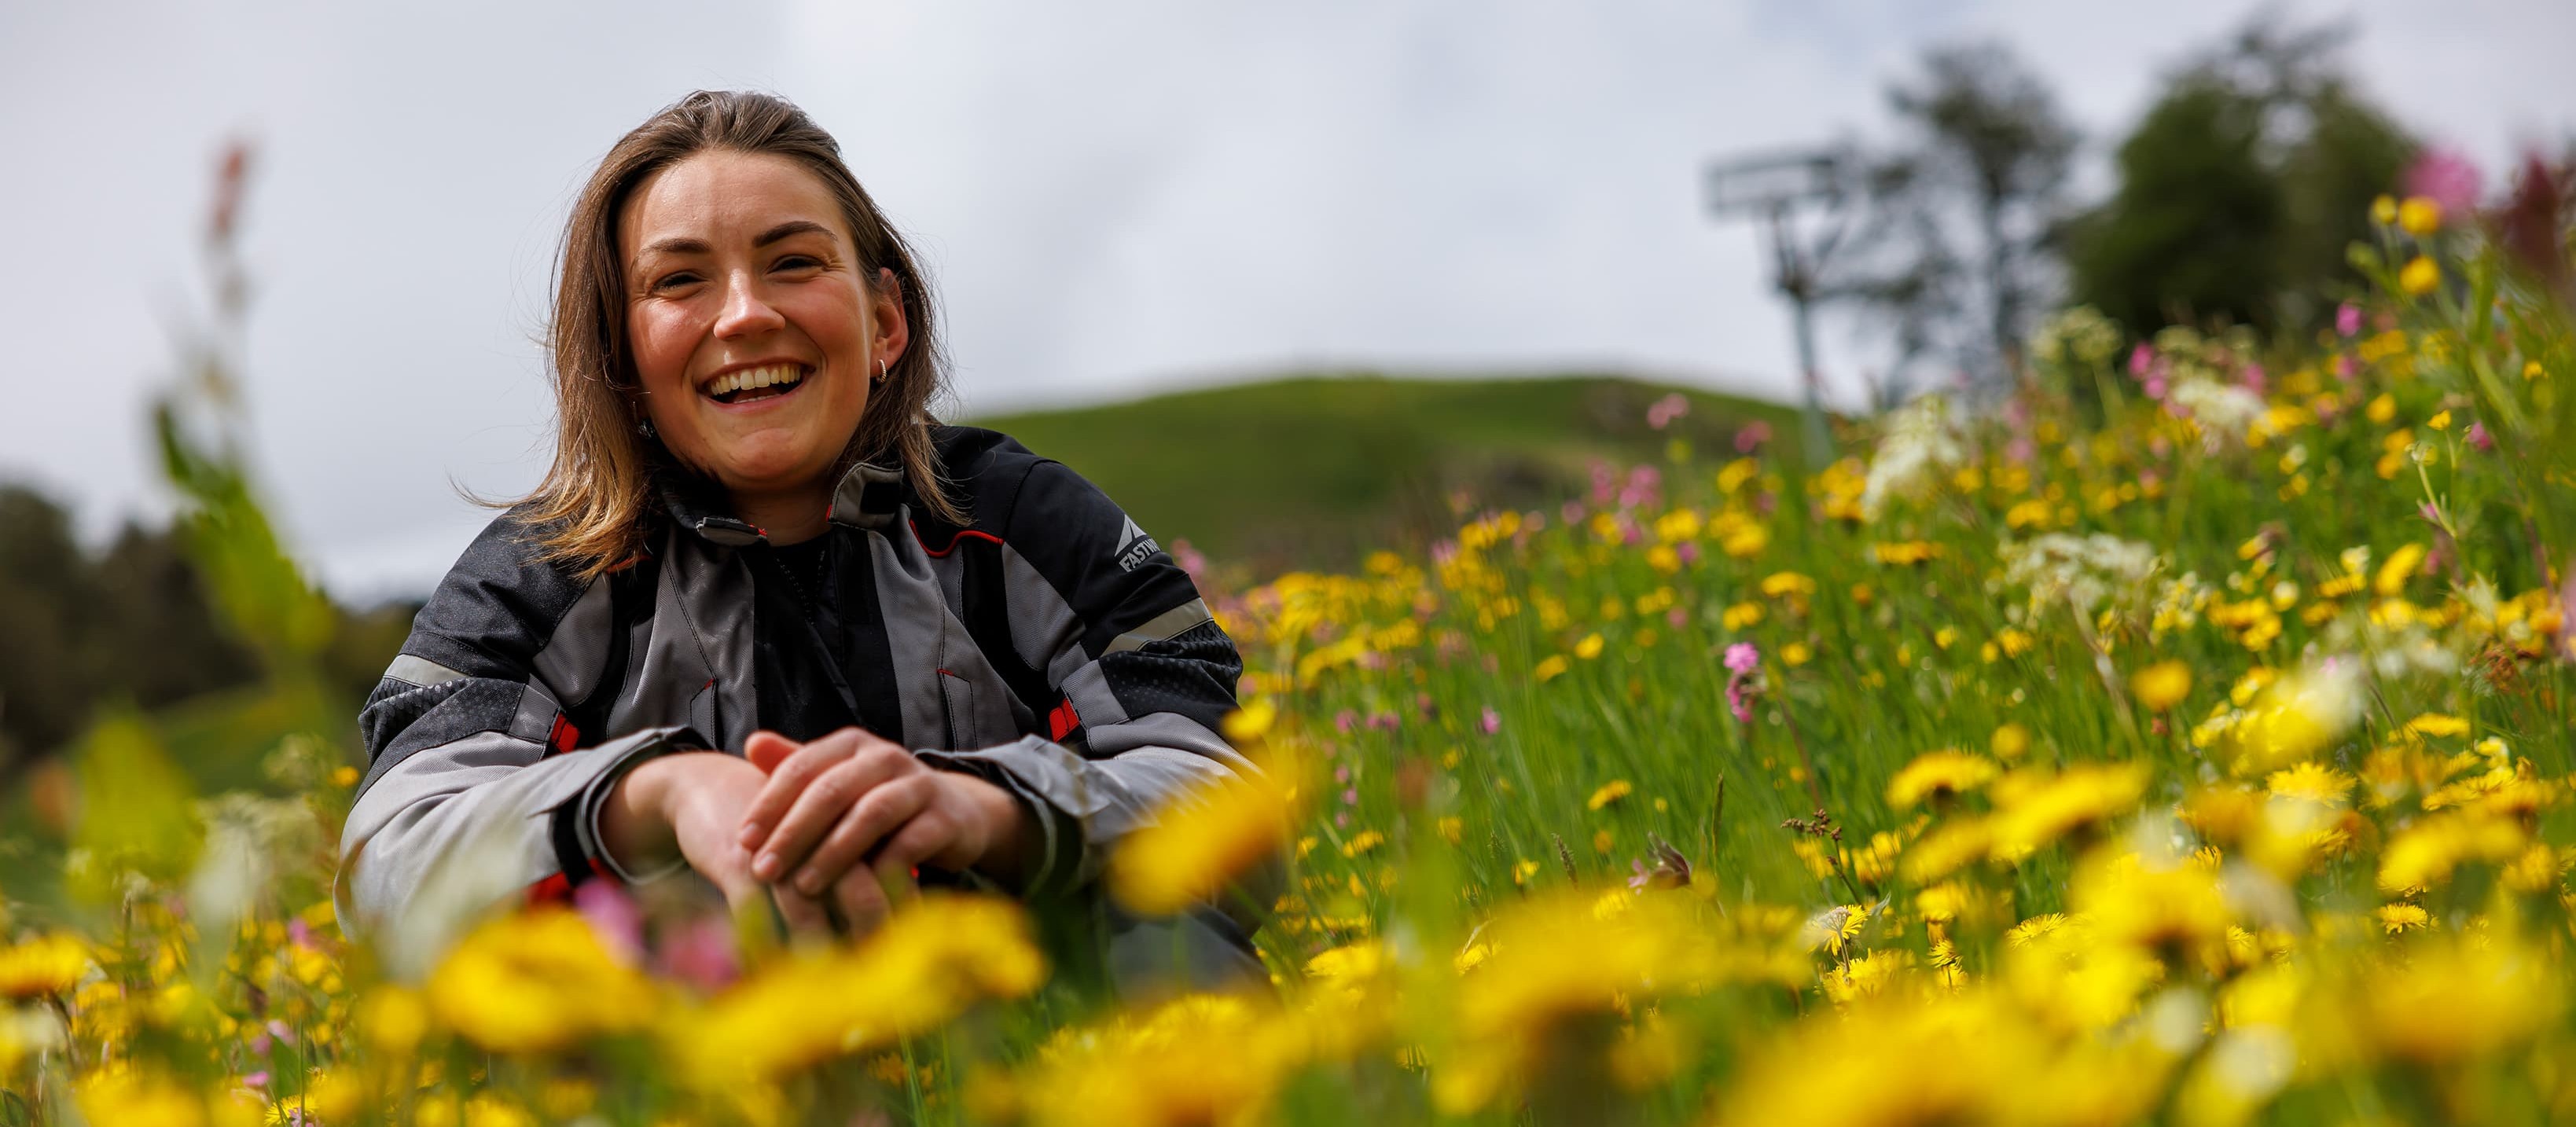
[766, 620]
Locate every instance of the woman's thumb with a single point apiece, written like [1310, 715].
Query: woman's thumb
[767, 750]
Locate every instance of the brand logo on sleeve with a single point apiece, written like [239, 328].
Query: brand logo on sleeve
[1138, 547]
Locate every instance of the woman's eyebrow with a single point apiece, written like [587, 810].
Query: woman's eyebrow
[789, 228]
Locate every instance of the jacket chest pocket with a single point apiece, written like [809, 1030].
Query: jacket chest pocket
[979, 709]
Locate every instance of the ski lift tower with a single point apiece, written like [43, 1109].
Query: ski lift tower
[1773, 188]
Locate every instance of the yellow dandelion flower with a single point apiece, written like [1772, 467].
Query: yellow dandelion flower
[1610, 792]
[1251, 722]
[1945, 850]
[2383, 210]
[42, 967]
[1786, 584]
[2419, 215]
[1939, 774]
[1551, 667]
[933, 958]
[2036, 808]
[2382, 408]
[2395, 918]
[2161, 686]
[2425, 853]
[537, 981]
[2010, 742]
[1206, 839]
[2451, 1001]
[125, 1095]
[2311, 782]
[2399, 568]
[2420, 277]
[1590, 647]
[2436, 724]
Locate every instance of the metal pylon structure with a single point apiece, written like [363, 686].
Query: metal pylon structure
[1774, 189]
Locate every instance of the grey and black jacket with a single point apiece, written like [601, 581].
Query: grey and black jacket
[1047, 644]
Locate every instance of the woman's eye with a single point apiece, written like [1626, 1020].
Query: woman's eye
[673, 281]
[797, 262]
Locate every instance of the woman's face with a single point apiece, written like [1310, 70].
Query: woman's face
[753, 332]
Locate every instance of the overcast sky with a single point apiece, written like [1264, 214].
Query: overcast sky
[1113, 196]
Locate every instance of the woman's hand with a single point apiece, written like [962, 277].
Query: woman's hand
[850, 815]
[687, 807]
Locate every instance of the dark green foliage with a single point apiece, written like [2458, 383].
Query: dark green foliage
[2239, 192]
[132, 623]
[2192, 231]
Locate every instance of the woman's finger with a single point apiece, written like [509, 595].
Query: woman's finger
[931, 837]
[806, 916]
[879, 813]
[862, 901]
[789, 776]
[831, 795]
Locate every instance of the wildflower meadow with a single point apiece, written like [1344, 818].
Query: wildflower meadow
[2178, 735]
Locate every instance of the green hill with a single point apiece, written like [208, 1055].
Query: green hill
[1313, 471]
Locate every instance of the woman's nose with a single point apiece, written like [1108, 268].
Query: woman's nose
[746, 309]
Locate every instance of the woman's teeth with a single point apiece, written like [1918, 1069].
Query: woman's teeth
[733, 387]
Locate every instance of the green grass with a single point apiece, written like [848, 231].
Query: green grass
[1311, 471]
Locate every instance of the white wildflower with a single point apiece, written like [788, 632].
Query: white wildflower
[2086, 571]
[2224, 411]
[2079, 335]
[1922, 442]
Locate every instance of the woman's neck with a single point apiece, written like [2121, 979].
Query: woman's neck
[788, 517]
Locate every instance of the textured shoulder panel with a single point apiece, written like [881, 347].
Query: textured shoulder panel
[497, 606]
[984, 469]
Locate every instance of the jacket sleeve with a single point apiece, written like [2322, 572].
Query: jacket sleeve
[474, 791]
[1143, 676]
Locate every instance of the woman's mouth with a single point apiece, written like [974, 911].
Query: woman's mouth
[749, 385]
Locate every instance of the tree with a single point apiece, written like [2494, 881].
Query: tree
[2239, 189]
[1956, 252]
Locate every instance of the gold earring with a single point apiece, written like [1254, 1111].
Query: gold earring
[881, 369]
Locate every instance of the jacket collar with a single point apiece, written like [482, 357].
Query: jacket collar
[868, 496]
[699, 505]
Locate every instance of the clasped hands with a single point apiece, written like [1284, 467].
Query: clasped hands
[829, 830]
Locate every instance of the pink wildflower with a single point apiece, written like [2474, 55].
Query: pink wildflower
[1667, 409]
[2446, 177]
[701, 953]
[2479, 439]
[1492, 722]
[2141, 358]
[613, 915]
[1738, 701]
[2347, 319]
[1743, 657]
[1751, 436]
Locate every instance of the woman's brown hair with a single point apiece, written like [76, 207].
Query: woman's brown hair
[599, 497]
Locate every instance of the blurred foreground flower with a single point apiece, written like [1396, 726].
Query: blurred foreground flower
[1211, 836]
[537, 981]
[42, 967]
[932, 959]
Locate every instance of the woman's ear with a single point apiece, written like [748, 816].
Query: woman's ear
[894, 331]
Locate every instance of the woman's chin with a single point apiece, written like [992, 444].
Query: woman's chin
[770, 471]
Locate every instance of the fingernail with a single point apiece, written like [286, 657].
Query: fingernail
[766, 867]
[750, 835]
[810, 882]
